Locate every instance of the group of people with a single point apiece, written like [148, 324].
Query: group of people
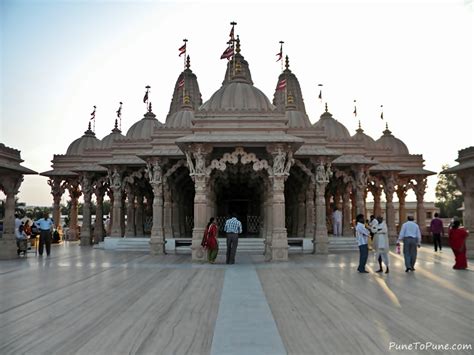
[410, 235]
[232, 227]
[24, 230]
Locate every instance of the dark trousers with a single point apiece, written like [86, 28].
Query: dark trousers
[45, 238]
[409, 252]
[232, 242]
[364, 253]
[437, 241]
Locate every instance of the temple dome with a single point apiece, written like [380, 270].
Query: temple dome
[180, 119]
[334, 129]
[388, 140]
[111, 137]
[367, 142]
[238, 96]
[143, 129]
[87, 141]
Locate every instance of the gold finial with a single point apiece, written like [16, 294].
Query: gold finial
[360, 125]
[386, 126]
[237, 47]
[116, 124]
[290, 99]
[188, 62]
[287, 62]
[238, 67]
[149, 106]
[89, 127]
[326, 107]
[186, 99]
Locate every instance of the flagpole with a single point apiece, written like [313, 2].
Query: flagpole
[233, 23]
[281, 53]
[185, 50]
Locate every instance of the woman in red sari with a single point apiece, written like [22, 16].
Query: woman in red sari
[210, 241]
[457, 241]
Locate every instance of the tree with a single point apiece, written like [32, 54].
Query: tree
[448, 196]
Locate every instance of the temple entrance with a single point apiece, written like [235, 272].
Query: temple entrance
[239, 190]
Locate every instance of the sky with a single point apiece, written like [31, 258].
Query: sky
[60, 58]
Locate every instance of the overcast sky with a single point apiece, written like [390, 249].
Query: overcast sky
[59, 58]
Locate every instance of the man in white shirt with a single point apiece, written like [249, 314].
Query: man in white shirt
[411, 235]
[337, 222]
[362, 236]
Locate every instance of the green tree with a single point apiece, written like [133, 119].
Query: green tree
[448, 196]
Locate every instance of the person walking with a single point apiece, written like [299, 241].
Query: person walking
[381, 245]
[210, 242]
[437, 231]
[457, 241]
[233, 228]
[362, 236]
[410, 234]
[45, 225]
[337, 222]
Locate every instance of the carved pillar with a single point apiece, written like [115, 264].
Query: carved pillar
[139, 216]
[360, 189]
[167, 212]
[465, 182]
[130, 228]
[301, 214]
[108, 231]
[321, 241]
[279, 242]
[389, 189]
[122, 216]
[419, 190]
[155, 176]
[57, 190]
[200, 216]
[309, 228]
[99, 212]
[10, 185]
[346, 211]
[116, 185]
[376, 191]
[268, 219]
[401, 194]
[86, 185]
[74, 193]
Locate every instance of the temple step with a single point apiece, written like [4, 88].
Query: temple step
[342, 244]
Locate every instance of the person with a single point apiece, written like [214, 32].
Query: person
[337, 222]
[437, 231]
[20, 236]
[411, 235]
[45, 225]
[372, 227]
[381, 245]
[107, 225]
[210, 242]
[362, 236]
[457, 241]
[233, 228]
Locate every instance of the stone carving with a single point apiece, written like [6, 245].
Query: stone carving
[155, 172]
[279, 162]
[115, 180]
[190, 163]
[200, 162]
[233, 158]
[329, 172]
[289, 163]
[321, 175]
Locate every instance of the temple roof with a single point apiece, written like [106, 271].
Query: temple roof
[388, 140]
[108, 140]
[333, 128]
[417, 171]
[143, 129]
[350, 159]
[87, 141]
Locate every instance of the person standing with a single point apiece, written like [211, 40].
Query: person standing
[381, 245]
[210, 241]
[362, 236]
[457, 241]
[337, 222]
[411, 235]
[45, 225]
[233, 228]
[437, 231]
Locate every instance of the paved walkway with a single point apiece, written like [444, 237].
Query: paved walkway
[86, 301]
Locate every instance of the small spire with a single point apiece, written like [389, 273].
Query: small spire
[89, 127]
[359, 130]
[116, 124]
[237, 46]
[188, 62]
[360, 125]
[149, 106]
[326, 107]
[287, 62]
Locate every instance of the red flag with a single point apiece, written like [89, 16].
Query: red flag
[182, 49]
[145, 98]
[355, 111]
[320, 95]
[228, 53]
[181, 83]
[93, 114]
[280, 53]
[281, 84]
[231, 34]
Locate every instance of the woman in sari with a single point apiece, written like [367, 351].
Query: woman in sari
[457, 241]
[210, 241]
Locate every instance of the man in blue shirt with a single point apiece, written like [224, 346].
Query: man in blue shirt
[233, 228]
[411, 236]
[45, 225]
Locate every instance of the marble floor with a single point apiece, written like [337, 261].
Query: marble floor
[88, 301]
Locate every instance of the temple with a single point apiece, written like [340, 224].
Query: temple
[236, 152]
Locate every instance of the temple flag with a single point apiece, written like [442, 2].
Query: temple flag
[182, 49]
[119, 111]
[281, 84]
[320, 96]
[381, 114]
[181, 83]
[280, 53]
[228, 53]
[93, 114]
